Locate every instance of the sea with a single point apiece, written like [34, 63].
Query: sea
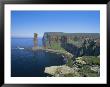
[28, 63]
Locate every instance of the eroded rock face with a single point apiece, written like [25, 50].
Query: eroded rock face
[95, 68]
[86, 66]
[80, 61]
[61, 70]
[35, 40]
[79, 44]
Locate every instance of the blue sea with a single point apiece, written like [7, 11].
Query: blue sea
[24, 42]
[28, 63]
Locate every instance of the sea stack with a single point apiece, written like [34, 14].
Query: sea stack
[35, 40]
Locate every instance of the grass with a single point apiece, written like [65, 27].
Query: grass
[85, 71]
[69, 62]
[71, 75]
[91, 60]
[56, 46]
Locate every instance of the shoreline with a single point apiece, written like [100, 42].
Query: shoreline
[63, 53]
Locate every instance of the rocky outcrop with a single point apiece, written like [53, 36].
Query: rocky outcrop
[86, 66]
[35, 40]
[80, 60]
[59, 71]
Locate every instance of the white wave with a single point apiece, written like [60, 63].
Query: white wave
[20, 48]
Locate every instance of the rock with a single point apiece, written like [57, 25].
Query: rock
[60, 70]
[95, 68]
[79, 60]
[76, 43]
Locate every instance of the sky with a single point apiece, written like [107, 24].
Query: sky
[26, 23]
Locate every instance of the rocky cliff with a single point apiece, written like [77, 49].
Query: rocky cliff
[85, 48]
[79, 44]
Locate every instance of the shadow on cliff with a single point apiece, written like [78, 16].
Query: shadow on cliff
[83, 50]
[71, 48]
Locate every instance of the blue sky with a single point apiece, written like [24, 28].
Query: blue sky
[26, 23]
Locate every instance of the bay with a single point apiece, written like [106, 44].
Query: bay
[28, 63]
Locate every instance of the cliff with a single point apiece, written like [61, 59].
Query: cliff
[79, 44]
[85, 66]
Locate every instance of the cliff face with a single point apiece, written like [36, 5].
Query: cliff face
[79, 44]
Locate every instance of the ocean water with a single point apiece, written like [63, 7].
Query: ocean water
[28, 63]
[24, 42]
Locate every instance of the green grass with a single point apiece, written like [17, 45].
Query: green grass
[85, 71]
[69, 62]
[56, 46]
[72, 75]
[91, 60]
